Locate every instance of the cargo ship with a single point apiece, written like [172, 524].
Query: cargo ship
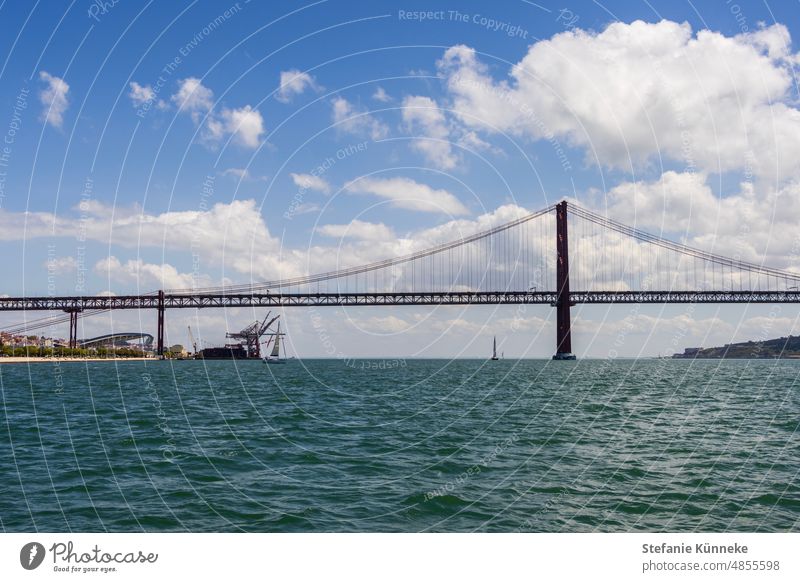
[248, 346]
[228, 352]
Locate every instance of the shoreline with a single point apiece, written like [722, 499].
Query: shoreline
[61, 360]
[41, 359]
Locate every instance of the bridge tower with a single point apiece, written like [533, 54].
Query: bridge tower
[563, 303]
[160, 332]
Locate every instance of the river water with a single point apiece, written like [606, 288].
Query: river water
[394, 445]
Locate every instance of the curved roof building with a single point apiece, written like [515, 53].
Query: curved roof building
[117, 339]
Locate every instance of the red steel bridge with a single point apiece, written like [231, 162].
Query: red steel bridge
[514, 263]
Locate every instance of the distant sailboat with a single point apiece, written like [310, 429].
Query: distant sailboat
[494, 349]
[275, 355]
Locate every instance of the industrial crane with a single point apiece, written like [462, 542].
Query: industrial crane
[251, 335]
[192, 342]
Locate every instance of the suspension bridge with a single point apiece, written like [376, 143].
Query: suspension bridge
[528, 260]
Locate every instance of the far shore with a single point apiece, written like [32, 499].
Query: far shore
[60, 360]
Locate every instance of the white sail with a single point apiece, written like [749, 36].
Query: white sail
[276, 348]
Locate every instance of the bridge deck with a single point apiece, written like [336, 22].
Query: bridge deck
[200, 301]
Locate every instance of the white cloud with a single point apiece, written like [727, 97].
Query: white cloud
[145, 275]
[143, 94]
[408, 194]
[749, 224]
[232, 235]
[471, 141]
[351, 251]
[389, 324]
[245, 124]
[213, 131]
[295, 82]
[241, 173]
[637, 91]
[233, 241]
[60, 265]
[497, 325]
[140, 94]
[305, 208]
[774, 40]
[358, 230]
[54, 98]
[422, 117]
[351, 119]
[676, 203]
[381, 95]
[311, 182]
[193, 97]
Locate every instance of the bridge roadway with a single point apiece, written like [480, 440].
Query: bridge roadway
[200, 301]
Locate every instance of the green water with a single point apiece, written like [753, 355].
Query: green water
[419, 445]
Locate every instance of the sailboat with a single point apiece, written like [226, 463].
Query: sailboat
[494, 349]
[275, 355]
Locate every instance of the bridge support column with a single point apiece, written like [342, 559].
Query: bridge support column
[73, 327]
[563, 303]
[160, 332]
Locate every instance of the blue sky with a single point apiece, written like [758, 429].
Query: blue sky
[203, 122]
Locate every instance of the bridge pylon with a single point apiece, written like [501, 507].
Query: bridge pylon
[160, 332]
[563, 300]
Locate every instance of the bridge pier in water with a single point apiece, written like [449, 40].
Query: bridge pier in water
[563, 301]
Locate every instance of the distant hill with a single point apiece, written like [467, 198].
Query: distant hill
[784, 347]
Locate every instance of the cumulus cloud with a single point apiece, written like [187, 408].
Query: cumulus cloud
[677, 202]
[351, 119]
[233, 239]
[358, 230]
[351, 251]
[54, 99]
[244, 125]
[193, 97]
[381, 95]
[140, 94]
[295, 82]
[143, 94]
[311, 182]
[408, 194]
[636, 91]
[233, 235]
[60, 265]
[145, 275]
[749, 224]
[423, 118]
[471, 141]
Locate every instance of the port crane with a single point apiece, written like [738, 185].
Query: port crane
[251, 335]
[192, 342]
